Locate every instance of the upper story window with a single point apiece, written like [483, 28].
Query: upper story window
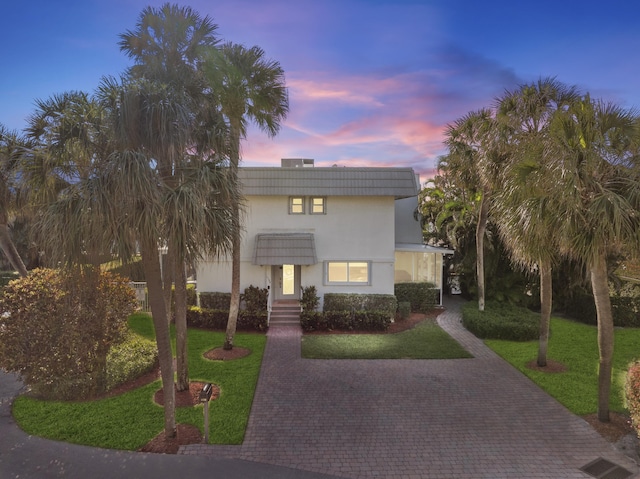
[296, 205]
[318, 206]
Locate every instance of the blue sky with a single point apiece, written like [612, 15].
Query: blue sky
[371, 82]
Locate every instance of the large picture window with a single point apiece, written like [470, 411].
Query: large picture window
[348, 272]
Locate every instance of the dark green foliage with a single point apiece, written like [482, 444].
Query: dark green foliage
[57, 326]
[421, 296]
[130, 359]
[132, 270]
[216, 319]
[345, 320]
[361, 302]
[625, 306]
[310, 299]
[501, 321]
[254, 299]
[215, 300]
[404, 310]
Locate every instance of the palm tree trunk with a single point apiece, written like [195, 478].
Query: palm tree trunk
[546, 302]
[181, 325]
[168, 273]
[480, 230]
[10, 251]
[234, 307]
[151, 265]
[600, 287]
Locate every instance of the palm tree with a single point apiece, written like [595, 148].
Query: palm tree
[475, 156]
[526, 223]
[249, 88]
[10, 147]
[168, 46]
[597, 195]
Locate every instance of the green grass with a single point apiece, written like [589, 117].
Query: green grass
[131, 420]
[575, 345]
[426, 341]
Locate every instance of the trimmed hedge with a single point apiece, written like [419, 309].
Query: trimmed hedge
[130, 359]
[345, 320]
[216, 319]
[215, 300]
[361, 302]
[624, 307]
[421, 296]
[501, 321]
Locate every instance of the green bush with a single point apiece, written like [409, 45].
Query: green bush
[57, 326]
[361, 302]
[421, 296]
[215, 300]
[404, 310]
[501, 321]
[632, 394]
[216, 319]
[345, 320]
[129, 359]
[255, 299]
[310, 299]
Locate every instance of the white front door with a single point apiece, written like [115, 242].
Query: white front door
[287, 281]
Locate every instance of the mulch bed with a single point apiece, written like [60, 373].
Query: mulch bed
[221, 354]
[189, 397]
[186, 434]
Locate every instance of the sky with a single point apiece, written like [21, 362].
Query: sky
[370, 82]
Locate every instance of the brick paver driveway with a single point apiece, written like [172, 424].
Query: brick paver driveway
[464, 418]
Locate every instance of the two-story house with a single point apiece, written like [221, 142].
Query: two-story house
[340, 229]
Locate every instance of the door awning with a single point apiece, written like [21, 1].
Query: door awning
[285, 248]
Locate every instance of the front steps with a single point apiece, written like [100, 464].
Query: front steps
[285, 313]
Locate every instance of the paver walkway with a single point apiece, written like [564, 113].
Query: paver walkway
[463, 418]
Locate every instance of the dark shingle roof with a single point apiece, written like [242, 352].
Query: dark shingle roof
[334, 181]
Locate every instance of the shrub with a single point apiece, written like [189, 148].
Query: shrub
[345, 320]
[421, 296]
[216, 319]
[310, 299]
[129, 359]
[56, 328]
[501, 321]
[404, 310]
[215, 300]
[361, 302]
[632, 394]
[255, 299]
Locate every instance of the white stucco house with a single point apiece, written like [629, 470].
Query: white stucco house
[340, 229]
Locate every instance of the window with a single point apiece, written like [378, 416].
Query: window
[296, 205]
[318, 206]
[347, 272]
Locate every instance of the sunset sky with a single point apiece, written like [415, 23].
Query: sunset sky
[371, 82]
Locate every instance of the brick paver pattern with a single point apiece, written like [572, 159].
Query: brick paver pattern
[462, 418]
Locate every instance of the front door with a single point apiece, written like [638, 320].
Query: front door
[287, 281]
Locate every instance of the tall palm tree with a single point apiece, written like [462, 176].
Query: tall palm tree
[249, 88]
[168, 46]
[526, 222]
[597, 194]
[10, 148]
[474, 154]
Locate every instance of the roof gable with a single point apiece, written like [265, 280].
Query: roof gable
[333, 181]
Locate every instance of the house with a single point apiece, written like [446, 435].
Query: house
[340, 229]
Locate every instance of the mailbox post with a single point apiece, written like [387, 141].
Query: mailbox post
[205, 396]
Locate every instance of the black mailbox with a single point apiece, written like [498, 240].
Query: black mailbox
[205, 394]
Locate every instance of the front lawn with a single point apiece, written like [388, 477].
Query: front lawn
[575, 345]
[426, 341]
[130, 420]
